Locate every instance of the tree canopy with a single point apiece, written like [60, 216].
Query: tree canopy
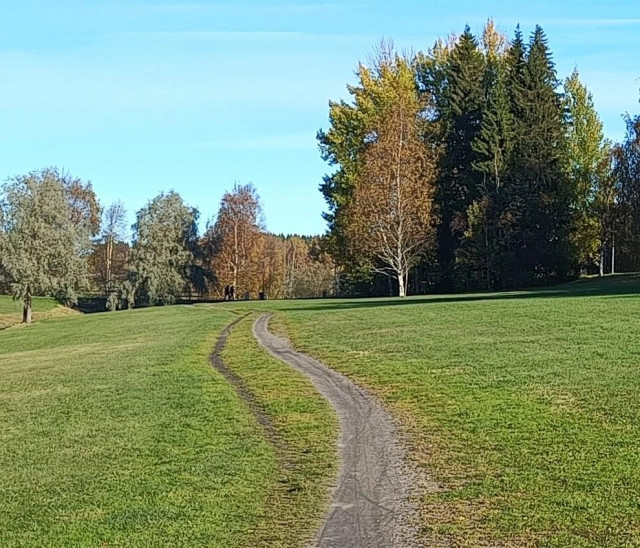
[523, 184]
[471, 165]
[47, 220]
[165, 257]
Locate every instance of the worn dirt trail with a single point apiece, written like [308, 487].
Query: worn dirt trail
[371, 501]
[241, 388]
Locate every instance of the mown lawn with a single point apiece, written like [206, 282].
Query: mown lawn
[115, 431]
[524, 406]
[40, 304]
[305, 429]
[43, 308]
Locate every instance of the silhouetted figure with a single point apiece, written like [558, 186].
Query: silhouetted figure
[232, 293]
[227, 292]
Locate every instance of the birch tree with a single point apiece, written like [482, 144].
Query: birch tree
[113, 231]
[392, 214]
[604, 206]
[234, 241]
[588, 153]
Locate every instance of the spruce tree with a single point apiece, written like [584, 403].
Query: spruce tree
[539, 194]
[516, 74]
[494, 141]
[482, 250]
[462, 118]
[547, 154]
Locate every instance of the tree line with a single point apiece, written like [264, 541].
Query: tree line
[56, 240]
[473, 166]
[470, 166]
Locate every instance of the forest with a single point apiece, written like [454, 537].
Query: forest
[56, 240]
[470, 166]
[475, 166]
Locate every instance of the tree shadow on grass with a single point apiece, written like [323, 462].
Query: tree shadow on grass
[623, 285]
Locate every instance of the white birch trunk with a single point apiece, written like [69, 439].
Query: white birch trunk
[402, 291]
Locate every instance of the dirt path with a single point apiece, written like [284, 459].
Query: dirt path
[370, 505]
[234, 380]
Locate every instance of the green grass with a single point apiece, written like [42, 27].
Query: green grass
[115, 431]
[43, 307]
[524, 406]
[305, 427]
[40, 304]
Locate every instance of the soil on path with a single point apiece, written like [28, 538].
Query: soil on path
[371, 504]
[241, 388]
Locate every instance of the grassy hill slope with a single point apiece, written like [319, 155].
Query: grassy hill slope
[115, 431]
[43, 308]
[524, 406]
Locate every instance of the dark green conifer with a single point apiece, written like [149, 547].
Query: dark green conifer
[541, 168]
[462, 119]
[483, 249]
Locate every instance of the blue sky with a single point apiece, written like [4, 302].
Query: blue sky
[150, 95]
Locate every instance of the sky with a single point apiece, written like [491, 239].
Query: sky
[146, 96]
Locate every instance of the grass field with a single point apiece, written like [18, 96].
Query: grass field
[43, 308]
[524, 406]
[305, 428]
[115, 431]
[10, 306]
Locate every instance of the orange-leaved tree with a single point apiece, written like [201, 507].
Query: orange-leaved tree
[391, 216]
[235, 239]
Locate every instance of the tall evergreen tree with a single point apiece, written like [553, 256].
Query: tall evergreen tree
[494, 141]
[482, 250]
[516, 73]
[539, 195]
[462, 117]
